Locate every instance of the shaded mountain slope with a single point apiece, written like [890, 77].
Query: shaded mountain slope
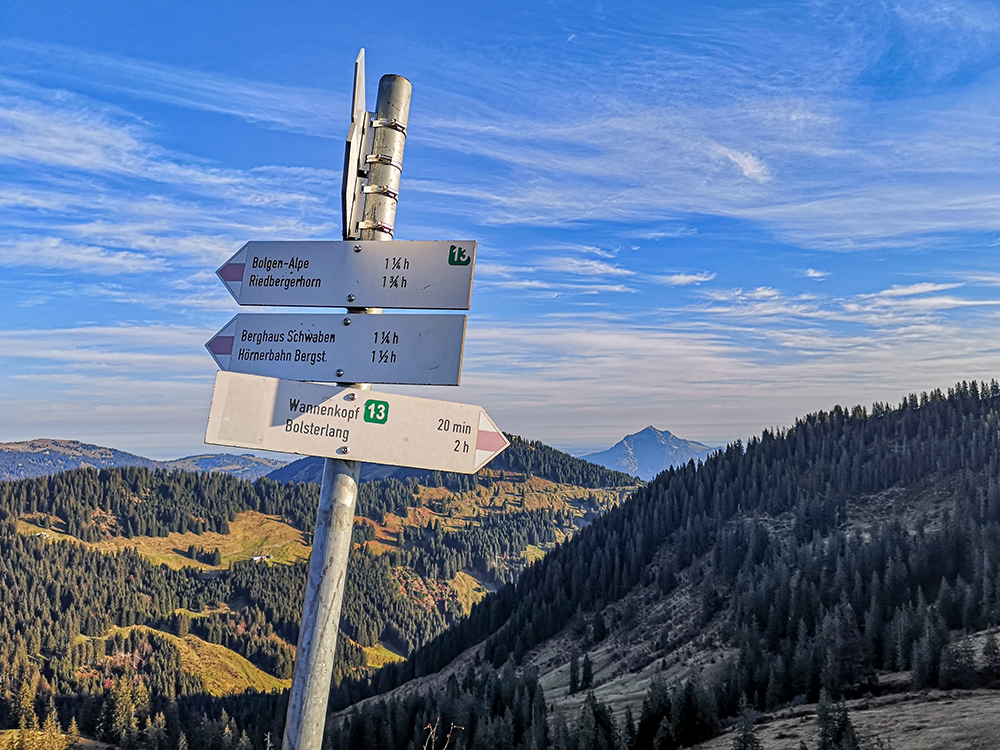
[44, 456]
[242, 466]
[34, 458]
[852, 544]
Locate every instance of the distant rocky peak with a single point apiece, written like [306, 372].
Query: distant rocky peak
[648, 452]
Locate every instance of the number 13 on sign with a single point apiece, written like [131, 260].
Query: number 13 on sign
[376, 411]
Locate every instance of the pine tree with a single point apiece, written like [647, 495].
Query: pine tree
[574, 672]
[746, 736]
[25, 708]
[690, 727]
[73, 735]
[629, 728]
[51, 738]
[587, 677]
[836, 732]
[664, 738]
[123, 723]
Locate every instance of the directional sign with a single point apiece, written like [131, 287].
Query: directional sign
[414, 275]
[323, 420]
[405, 349]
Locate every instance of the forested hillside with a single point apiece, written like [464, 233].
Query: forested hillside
[853, 544]
[123, 646]
[854, 553]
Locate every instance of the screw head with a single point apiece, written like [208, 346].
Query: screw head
[350, 298]
[343, 449]
[347, 321]
[357, 248]
[340, 373]
[352, 396]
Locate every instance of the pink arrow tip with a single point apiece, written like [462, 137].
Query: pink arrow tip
[490, 441]
[221, 345]
[232, 271]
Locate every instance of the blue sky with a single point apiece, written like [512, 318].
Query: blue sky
[709, 217]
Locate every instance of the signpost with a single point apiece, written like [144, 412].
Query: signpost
[407, 275]
[258, 403]
[403, 349]
[337, 422]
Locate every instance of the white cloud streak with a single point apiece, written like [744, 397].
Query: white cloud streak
[684, 279]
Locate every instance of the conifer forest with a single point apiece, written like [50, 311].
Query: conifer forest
[856, 544]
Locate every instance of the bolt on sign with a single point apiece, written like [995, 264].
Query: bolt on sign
[404, 275]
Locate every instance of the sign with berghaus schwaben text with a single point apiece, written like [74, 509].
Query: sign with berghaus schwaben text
[406, 275]
[313, 419]
[405, 349]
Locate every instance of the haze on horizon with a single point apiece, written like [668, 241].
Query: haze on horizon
[708, 218]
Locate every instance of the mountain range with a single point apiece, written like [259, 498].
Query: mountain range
[44, 456]
[648, 452]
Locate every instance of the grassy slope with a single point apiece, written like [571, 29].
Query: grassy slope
[250, 534]
[223, 671]
[8, 735]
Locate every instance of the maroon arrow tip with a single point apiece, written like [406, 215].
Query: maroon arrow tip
[221, 345]
[232, 271]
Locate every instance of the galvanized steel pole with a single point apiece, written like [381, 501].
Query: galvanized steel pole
[310, 693]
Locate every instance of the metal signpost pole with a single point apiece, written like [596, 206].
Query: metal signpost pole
[308, 698]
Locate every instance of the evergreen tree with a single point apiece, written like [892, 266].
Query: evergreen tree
[73, 735]
[664, 738]
[587, 675]
[597, 727]
[25, 715]
[690, 726]
[745, 737]
[836, 732]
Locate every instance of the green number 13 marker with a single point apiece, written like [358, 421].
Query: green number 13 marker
[376, 411]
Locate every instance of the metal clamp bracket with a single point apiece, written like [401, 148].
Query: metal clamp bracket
[384, 159]
[384, 122]
[379, 226]
[381, 190]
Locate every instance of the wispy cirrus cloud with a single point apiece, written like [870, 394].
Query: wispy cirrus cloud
[683, 279]
[286, 107]
[908, 290]
[584, 267]
[52, 252]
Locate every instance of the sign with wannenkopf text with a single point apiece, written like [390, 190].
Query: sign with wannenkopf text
[312, 419]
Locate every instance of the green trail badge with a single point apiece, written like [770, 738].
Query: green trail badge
[376, 411]
[457, 256]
